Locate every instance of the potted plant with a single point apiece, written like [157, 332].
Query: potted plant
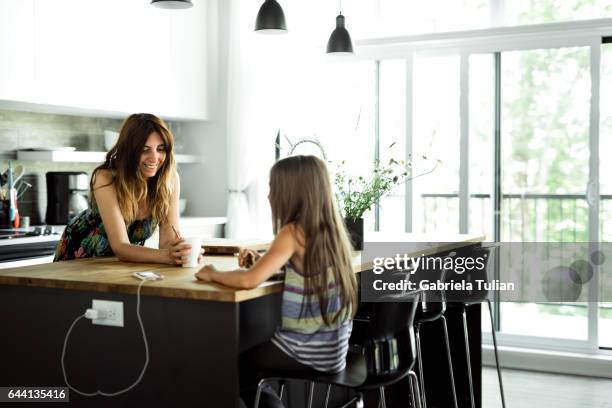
[356, 195]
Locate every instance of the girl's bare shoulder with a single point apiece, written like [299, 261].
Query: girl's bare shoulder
[294, 232]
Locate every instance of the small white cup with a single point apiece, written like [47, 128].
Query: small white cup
[192, 258]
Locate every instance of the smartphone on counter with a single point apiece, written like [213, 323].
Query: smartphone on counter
[148, 275]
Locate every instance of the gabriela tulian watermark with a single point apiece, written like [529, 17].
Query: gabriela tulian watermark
[479, 284]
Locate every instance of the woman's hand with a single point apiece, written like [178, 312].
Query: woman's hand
[247, 258]
[179, 252]
[205, 274]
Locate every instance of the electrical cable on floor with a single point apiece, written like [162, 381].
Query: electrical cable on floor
[144, 368]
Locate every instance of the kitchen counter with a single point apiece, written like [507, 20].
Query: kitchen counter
[194, 331]
[107, 274]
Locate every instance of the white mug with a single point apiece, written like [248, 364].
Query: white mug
[192, 258]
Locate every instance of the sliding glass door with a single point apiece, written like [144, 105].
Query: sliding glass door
[518, 139]
[545, 123]
[514, 132]
[481, 118]
[605, 203]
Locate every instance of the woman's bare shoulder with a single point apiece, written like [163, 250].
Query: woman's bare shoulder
[102, 178]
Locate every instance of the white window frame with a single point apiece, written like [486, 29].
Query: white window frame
[465, 43]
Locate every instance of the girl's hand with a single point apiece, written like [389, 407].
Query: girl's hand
[179, 251]
[247, 258]
[205, 274]
[201, 255]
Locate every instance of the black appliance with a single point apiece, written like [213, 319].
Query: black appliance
[66, 192]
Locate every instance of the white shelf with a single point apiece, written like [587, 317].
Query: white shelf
[83, 157]
[187, 158]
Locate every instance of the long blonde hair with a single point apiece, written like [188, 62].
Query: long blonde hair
[122, 160]
[300, 194]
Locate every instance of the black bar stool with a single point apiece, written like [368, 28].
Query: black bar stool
[382, 352]
[433, 308]
[465, 299]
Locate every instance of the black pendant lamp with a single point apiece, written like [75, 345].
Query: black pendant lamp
[270, 18]
[340, 40]
[172, 4]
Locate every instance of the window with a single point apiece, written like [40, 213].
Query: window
[402, 18]
[481, 141]
[436, 137]
[335, 107]
[545, 155]
[521, 12]
[437, 99]
[412, 17]
[545, 104]
[605, 203]
[392, 137]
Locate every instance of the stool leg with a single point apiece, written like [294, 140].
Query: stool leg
[499, 376]
[417, 392]
[327, 394]
[420, 362]
[281, 390]
[412, 391]
[258, 394]
[381, 399]
[468, 356]
[450, 361]
[359, 403]
[311, 386]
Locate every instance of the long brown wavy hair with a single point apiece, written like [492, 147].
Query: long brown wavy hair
[300, 193]
[123, 161]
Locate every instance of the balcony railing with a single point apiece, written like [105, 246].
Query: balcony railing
[524, 217]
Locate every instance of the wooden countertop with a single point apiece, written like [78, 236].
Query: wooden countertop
[107, 274]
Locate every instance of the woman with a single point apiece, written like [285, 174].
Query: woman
[133, 192]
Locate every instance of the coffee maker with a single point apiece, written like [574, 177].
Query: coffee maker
[66, 196]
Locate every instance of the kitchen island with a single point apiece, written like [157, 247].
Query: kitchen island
[195, 331]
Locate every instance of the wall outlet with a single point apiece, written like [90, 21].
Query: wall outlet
[112, 312]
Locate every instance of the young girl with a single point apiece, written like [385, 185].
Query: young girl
[320, 292]
[136, 189]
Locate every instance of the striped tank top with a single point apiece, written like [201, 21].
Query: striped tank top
[308, 339]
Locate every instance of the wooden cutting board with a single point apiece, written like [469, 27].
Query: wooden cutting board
[222, 246]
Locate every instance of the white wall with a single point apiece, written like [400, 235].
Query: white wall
[205, 185]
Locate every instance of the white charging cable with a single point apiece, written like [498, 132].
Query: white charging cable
[95, 314]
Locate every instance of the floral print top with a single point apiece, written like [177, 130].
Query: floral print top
[85, 236]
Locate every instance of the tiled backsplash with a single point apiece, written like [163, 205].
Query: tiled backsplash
[23, 130]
